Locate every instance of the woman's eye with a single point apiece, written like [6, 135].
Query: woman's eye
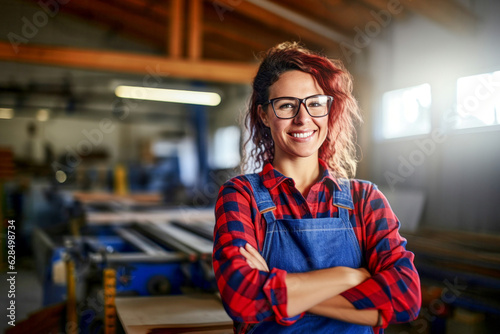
[286, 106]
[315, 104]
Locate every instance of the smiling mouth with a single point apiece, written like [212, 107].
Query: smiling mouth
[302, 134]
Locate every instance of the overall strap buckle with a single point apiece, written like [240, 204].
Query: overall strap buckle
[262, 196]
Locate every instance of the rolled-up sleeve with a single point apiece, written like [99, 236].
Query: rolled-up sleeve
[248, 295]
[394, 288]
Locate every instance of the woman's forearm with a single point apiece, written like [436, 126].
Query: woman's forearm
[341, 309]
[306, 290]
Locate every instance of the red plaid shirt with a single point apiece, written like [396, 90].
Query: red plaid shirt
[251, 296]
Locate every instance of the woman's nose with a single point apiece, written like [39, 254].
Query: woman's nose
[302, 115]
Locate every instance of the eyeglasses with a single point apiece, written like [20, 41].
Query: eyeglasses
[288, 107]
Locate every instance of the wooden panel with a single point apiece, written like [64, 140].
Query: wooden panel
[232, 38]
[155, 10]
[448, 13]
[221, 48]
[195, 29]
[274, 21]
[340, 16]
[130, 63]
[141, 315]
[246, 30]
[176, 28]
[119, 19]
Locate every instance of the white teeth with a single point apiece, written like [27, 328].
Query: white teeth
[302, 135]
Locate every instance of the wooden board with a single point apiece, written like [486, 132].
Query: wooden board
[173, 314]
[180, 214]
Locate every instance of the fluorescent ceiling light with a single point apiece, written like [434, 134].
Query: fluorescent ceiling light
[168, 95]
[6, 113]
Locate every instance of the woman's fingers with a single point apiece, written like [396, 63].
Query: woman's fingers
[250, 259]
[256, 255]
[254, 259]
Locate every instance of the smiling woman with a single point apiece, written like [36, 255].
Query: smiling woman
[300, 247]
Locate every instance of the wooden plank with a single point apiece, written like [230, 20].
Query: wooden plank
[176, 28]
[233, 37]
[217, 71]
[271, 18]
[448, 13]
[339, 16]
[195, 29]
[140, 315]
[380, 4]
[240, 32]
[220, 48]
[116, 18]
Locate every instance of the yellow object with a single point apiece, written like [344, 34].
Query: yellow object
[109, 301]
[121, 186]
[71, 315]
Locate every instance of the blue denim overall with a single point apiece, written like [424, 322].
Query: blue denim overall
[302, 245]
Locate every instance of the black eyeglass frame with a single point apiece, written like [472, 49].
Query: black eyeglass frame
[301, 101]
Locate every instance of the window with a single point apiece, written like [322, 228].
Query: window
[406, 112]
[478, 100]
[226, 150]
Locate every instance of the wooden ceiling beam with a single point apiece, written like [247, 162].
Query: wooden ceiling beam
[448, 13]
[381, 4]
[215, 49]
[233, 37]
[195, 29]
[328, 13]
[240, 25]
[297, 20]
[148, 65]
[176, 28]
[115, 18]
[156, 10]
[283, 19]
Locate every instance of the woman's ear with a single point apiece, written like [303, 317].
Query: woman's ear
[263, 115]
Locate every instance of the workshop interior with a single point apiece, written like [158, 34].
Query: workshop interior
[120, 120]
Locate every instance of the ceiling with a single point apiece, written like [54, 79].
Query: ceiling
[218, 40]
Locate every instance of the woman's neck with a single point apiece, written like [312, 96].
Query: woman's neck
[304, 171]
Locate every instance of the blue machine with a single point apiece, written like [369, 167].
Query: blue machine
[149, 259]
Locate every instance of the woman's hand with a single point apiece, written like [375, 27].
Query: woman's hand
[256, 261]
[253, 257]
[362, 275]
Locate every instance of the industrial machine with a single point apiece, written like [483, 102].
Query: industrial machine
[111, 249]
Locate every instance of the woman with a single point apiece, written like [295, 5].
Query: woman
[300, 248]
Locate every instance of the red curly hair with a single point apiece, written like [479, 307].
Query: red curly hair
[339, 148]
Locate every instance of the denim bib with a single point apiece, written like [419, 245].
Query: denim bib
[302, 245]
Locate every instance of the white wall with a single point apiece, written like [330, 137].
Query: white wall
[459, 169]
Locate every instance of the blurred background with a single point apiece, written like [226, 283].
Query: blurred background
[101, 175]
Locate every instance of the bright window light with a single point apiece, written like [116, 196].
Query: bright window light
[406, 112]
[168, 95]
[478, 101]
[226, 150]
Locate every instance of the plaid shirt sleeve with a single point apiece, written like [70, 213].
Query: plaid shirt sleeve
[249, 295]
[394, 288]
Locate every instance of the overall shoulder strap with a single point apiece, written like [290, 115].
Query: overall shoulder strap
[262, 196]
[343, 198]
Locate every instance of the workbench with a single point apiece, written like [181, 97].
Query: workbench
[198, 313]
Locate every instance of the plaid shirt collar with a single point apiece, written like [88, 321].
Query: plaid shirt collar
[272, 178]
